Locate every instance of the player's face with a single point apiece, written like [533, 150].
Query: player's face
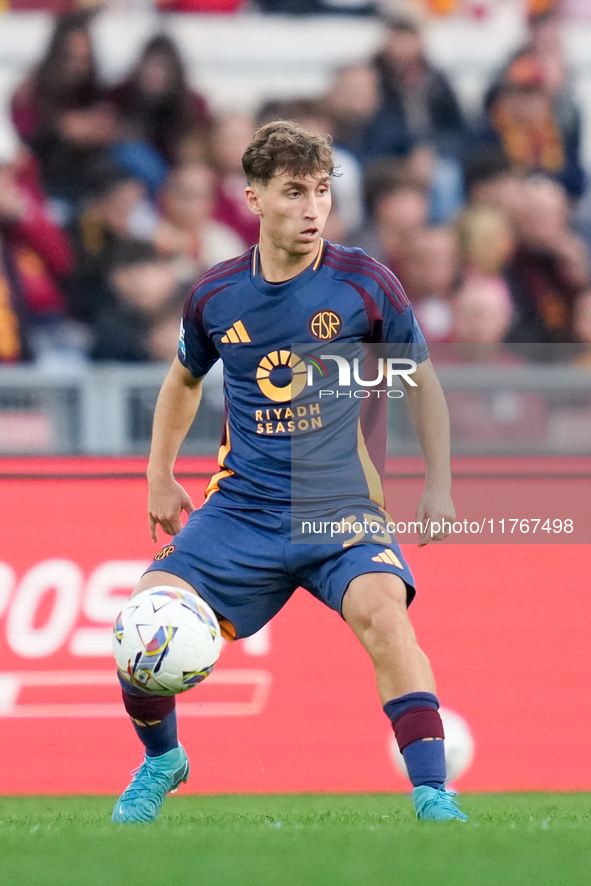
[293, 210]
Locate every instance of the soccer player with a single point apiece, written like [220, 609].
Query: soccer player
[237, 550]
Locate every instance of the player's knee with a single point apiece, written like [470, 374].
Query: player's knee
[387, 618]
[376, 609]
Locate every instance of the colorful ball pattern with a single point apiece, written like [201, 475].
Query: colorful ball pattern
[166, 640]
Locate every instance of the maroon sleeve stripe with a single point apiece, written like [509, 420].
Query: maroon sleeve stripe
[397, 298]
[226, 269]
[365, 265]
[199, 305]
[391, 282]
[374, 318]
[372, 264]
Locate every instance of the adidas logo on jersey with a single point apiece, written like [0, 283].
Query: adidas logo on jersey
[235, 334]
[388, 556]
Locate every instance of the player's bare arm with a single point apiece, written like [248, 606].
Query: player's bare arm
[176, 408]
[430, 418]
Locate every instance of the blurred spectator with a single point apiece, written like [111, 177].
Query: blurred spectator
[230, 137]
[14, 319]
[550, 266]
[163, 336]
[61, 112]
[116, 212]
[188, 232]
[482, 313]
[544, 47]
[416, 97]
[39, 249]
[398, 210]
[441, 176]
[497, 418]
[547, 49]
[429, 272]
[438, 178]
[216, 7]
[157, 110]
[521, 121]
[351, 104]
[492, 181]
[486, 240]
[135, 324]
[487, 243]
[39, 258]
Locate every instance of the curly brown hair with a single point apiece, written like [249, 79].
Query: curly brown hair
[284, 146]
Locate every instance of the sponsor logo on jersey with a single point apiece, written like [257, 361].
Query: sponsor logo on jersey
[281, 366]
[236, 334]
[164, 552]
[325, 325]
[285, 419]
[388, 556]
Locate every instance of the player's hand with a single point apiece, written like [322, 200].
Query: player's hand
[435, 506]
[167, 501]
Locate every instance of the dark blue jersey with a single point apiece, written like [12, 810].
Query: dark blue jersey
[271, 337]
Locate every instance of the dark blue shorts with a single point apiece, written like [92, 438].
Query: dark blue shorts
[244, 564]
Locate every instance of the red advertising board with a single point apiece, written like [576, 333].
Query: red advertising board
[294, 708]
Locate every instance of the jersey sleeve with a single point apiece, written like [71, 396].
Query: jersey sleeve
[400, 325]
[404, 329]
[197, 352]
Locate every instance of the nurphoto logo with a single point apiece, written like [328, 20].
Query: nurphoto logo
[388, 369]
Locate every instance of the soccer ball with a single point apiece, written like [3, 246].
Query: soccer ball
[459, 745]
[166, 640]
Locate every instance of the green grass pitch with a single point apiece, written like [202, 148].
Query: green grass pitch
[303, 840]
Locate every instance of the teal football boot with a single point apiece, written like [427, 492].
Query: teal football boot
[437, 804]
[143, 797]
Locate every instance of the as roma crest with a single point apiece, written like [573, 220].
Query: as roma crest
[325, 325]
[164, 552]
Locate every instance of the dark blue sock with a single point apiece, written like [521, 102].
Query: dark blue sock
[425, 762]
[153, 718]
[419, 732]
[159, 738]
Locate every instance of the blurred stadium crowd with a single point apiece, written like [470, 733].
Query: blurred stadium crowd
[113, 200]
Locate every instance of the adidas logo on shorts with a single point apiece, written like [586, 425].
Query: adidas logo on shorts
[388, 556]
